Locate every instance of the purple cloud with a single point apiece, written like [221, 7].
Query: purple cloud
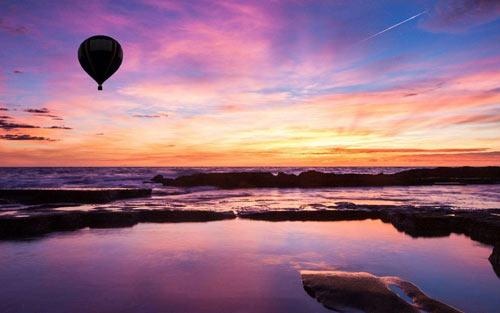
[13, 30]
[58, 127]
[38, 111]
[460, 15]
[8, 126]
[25, 137]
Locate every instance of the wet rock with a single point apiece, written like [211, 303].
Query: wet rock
[495, 259]
[317, 215]
[45, 196]
[15, 227]
[315, 179]
[224, 180]
[338, 291]
[418, 224]
[111, 219]
[481, 225]
[345, 205]
[158, 179]
[179, 216]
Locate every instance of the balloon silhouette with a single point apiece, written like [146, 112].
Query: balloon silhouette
[100, 56]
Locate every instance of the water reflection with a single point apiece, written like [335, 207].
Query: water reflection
[231, 266]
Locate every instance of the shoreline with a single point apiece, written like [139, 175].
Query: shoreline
[428, 221]
[418, 222]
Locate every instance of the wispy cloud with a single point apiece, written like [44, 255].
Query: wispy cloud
[150, 115]
[12, 29]
[393, 26]
[24, 138]
[59, 127]
[8, 126]
[38, 111]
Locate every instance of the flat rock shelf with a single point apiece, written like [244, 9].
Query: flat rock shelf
[40, 223]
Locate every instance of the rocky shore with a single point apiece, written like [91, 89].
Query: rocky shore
[40, 223]
[481, 225]
[315, 179]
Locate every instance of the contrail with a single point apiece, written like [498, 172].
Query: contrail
[393, 26]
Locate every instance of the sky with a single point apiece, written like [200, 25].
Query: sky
[253, 83]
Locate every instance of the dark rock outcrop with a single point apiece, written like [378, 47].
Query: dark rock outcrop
[362, 291]
[318, 215]
[41, 196]
[495, 259]
[158, 179]
[15, 227]
[314, 179]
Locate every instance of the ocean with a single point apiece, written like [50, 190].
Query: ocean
[209, 198]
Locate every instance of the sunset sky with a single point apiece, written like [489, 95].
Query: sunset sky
[247, 83]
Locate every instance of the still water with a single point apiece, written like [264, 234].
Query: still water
[231, 266]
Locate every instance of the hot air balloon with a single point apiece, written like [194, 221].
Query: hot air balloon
[100, 56]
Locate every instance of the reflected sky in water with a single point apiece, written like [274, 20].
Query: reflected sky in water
[231, 266]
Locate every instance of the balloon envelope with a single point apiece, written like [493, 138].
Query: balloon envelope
[100, 56]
